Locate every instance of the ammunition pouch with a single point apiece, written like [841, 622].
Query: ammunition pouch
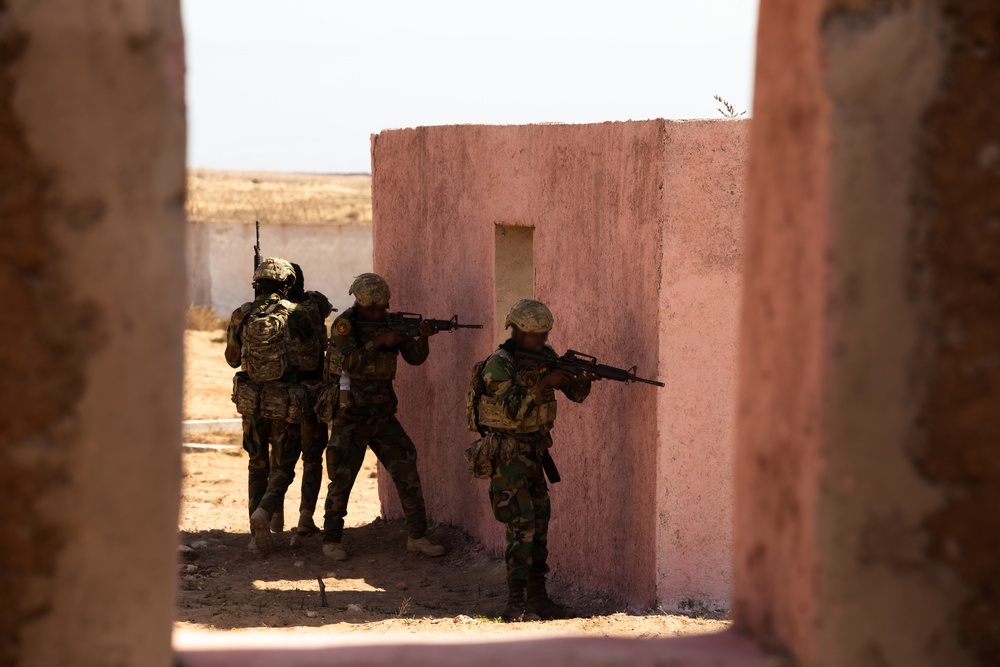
[538, 420]
[246, 395]
[485, 455]
[281, 401]
[327, 401]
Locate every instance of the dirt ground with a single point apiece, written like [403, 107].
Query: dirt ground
[381, 588]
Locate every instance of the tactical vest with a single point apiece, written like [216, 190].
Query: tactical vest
[308, 352]
[380, 367]
[484, 412]
[266, 353]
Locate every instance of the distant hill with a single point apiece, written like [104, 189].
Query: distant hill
[279, 198]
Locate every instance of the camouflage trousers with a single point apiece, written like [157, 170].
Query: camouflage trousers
[312, 438]
[395, 451]
[270, 444]
[520, 500]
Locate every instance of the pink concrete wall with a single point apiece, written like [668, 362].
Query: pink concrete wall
[704, 171]
[597, 197]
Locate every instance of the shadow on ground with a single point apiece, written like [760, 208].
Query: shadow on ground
[224, 585]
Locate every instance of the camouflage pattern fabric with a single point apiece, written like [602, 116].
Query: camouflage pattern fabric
[312, 434]
[317, 308]
[394, 450]
[271, 444]
[520, 500]
[516, 390]
[315, 436]
[372, 397]
[519, 496]
[370, 289]
[299, 327]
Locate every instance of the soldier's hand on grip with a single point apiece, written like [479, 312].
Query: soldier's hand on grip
[426, 330]
[555, 379]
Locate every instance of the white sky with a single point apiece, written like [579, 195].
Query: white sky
[299, 85]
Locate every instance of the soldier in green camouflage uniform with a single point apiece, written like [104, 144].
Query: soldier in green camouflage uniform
[311, 434]
[267, 441]
[516, 412]
[363, 359]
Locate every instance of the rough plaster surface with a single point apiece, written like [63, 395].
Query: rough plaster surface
[220, 259]
[834, 560]
[93, 223]
[703, 175]
[219, 650]
[961, 453]
[603, 208]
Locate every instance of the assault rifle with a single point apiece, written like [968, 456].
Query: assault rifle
[409, 324]
[576, 364]
[257, 259]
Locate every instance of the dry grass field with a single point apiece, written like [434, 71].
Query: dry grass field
[279, 198]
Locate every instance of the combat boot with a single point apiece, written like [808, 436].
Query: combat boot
[424, 546]
[516, 608]
[538, 601]
[334, 550]
[260, 530]
[278, 521]
[306, 529]
[306, 524]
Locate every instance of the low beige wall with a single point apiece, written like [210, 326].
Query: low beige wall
[220, 259]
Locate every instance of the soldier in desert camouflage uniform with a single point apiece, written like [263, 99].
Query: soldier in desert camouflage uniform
[513, 404]
[311, 435]
[267, 440]
[363, 361]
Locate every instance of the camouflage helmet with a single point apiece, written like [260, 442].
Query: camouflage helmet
[274, 268]
[370, 289]
[530, 316]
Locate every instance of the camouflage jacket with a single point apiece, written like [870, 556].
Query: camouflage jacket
[370, 371]
[310, 350]
[298, 323]
[513, 386]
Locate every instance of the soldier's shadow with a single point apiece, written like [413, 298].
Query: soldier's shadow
[222, 584]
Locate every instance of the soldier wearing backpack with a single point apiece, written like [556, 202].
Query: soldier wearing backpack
[361, 363]
[512, 404]
[267, 392]
[312, 433]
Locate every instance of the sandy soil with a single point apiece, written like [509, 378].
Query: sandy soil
[382, 588]
[279, 198]
[208, 379]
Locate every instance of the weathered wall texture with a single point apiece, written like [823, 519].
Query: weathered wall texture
[604, 202]
[220, 259]
[91, 199]
[867, 492]
[703, 176]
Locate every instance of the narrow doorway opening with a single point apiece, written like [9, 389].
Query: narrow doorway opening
[515, 269]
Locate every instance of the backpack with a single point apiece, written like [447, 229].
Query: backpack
[267, 341]
[475, 393]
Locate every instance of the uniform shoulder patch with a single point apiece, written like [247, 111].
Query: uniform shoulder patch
[530, 378]
[343, 327]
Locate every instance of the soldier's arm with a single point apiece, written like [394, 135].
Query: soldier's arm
[233, 343]
[299, 323]
[504, 385]
[414, 350]
[322, 303]
[577, 390]
[344, 344]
